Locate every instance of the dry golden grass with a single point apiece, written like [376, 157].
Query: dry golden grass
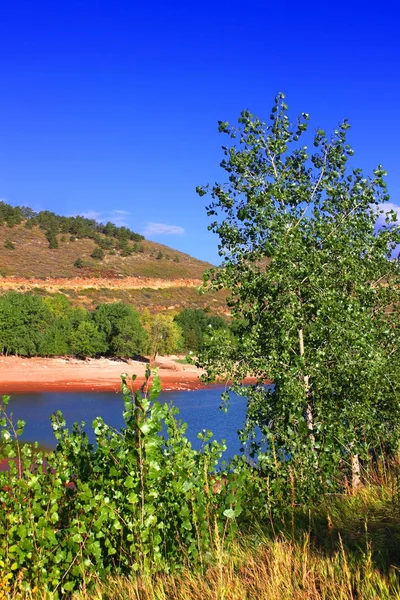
[277, 570]
[32, 263]
[33, 258]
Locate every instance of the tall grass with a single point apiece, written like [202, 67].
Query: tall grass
[271, 570]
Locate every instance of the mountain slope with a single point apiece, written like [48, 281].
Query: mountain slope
[142, 273]
[25, 253]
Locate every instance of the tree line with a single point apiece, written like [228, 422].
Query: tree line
[34, 326]
[106, 236]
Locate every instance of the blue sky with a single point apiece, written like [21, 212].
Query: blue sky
[110, 109]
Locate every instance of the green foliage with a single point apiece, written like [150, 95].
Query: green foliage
[159, 255]
[56, 339]
[316, 296]
[33, 326]
[137, 500]
[9, 244]
[164, 335]
[98, 254]
[51, 235]
[78, 263]
[10, 215]
[87, 340]
[121, 327]
[196, 324]
[23, 321]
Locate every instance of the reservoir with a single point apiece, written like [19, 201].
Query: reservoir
[199, 409]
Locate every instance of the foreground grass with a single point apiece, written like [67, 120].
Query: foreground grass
[348, 548]
[272, 570]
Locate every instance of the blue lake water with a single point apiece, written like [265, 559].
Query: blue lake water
[199, 409]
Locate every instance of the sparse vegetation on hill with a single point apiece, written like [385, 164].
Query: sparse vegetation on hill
[46, 245]
[42, 247]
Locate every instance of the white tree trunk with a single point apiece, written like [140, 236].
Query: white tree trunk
[355, 469]
[309, 412]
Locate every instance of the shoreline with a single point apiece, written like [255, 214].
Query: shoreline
[36, 374]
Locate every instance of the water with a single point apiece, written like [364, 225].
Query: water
[199, 409]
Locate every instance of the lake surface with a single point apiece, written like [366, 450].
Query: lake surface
[199, 409]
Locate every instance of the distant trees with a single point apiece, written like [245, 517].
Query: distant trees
[77, 227]
[196, 324]
[78, 263]
[34, 326]
[98, 254]
[120, 324]
[87, 340]
[10, 215]
[164, 335]
[9, 245]
[23, 321]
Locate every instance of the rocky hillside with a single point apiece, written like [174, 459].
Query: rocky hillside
[42, 255]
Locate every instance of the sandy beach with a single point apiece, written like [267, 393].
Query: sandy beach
[102, 374]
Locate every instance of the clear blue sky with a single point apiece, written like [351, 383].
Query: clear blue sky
[110, 108]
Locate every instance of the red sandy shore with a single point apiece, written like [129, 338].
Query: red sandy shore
[102, 374]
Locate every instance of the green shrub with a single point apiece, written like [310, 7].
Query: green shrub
[98, 254]
[137, 500]
[9, 244]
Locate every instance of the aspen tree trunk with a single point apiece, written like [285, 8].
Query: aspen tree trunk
[355, 469]
[309, 413]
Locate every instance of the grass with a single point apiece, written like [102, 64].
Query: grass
[346, 548]
[173, 299]
[31, 257]
[267, 570]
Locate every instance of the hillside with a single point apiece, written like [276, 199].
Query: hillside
[134, 270]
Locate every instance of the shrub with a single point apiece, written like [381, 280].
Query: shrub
[98, 254]
[138, 499]
[9, 244]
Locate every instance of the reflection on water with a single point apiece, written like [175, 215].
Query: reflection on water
[199, 409]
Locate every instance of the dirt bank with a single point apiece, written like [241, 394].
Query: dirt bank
[54, 284]
[102, 374]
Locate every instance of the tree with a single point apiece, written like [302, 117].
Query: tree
[56, 340]
[87, 340]
[195, 324]
[24, 319]
[121, 326]
[307, 258]
[9, 244]
[164, 336]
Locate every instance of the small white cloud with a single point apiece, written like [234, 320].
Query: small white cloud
[118, 217]
[162, 229]
[90, 215]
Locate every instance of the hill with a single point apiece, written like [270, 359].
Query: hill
[92, 263]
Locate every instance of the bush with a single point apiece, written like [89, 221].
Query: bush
[9, 244]
[98, 254]
[78, 263]
[138, 499]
